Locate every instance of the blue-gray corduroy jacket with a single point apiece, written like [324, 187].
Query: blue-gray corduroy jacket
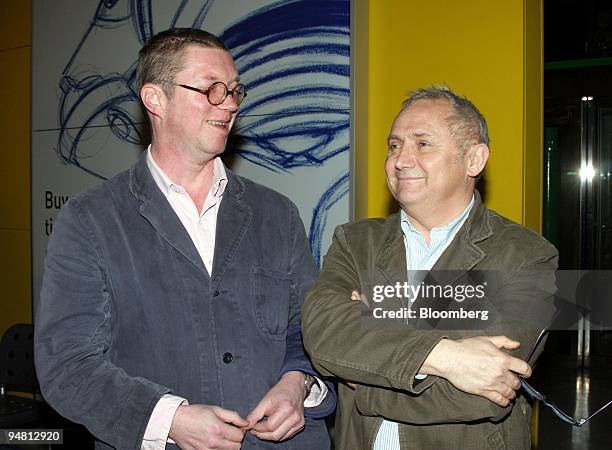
[129, 313]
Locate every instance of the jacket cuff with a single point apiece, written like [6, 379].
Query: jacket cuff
[296, 360]
[141, 399]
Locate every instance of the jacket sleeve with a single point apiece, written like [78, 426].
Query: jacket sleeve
[398, 396]
[303, 271]
[72, 337]
[341, 344]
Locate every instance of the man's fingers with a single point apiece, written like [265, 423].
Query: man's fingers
[496, 397]
[273, 422]
[257, 414]
[519, 366]
[355, 295]
[231, 430]
[515, 364]
[278, 427]
[503, 342]
[232, 417]
[231, 433]
[512, 381]
[265, 426]
[274, 434]
[292, 432]
[507, 392]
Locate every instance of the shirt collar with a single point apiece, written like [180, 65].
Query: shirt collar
[442, 232]
[219, 181]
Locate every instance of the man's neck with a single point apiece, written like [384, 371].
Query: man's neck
[426, 218]
[195, 176]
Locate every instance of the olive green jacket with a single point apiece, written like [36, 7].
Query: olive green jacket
[382, 360]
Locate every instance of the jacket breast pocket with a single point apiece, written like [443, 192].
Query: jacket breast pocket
[274, 293]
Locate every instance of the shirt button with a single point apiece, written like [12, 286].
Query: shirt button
[227, 358]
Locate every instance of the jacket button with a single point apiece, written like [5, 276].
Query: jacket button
[227, 358]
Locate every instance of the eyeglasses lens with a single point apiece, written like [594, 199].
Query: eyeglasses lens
[217, 93]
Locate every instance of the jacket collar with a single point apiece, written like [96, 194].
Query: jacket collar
[232, 221]
[462, 254]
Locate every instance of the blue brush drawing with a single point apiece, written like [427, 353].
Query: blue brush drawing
[296, 68]
[332, 195]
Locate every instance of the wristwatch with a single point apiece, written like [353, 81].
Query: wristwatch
[309, 381]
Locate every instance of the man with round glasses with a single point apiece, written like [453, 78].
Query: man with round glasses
[170, 306]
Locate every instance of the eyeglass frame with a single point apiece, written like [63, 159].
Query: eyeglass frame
[206, 91]
[537, 395]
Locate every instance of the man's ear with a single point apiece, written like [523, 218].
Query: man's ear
[476, 159]
[153, 98]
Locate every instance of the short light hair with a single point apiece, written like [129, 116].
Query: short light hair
[467, 125]
[164, 55]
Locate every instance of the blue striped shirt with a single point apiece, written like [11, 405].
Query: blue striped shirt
[419, 256]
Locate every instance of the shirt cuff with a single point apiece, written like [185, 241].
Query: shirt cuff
[420, 376]
[158, 428]
[317, 394]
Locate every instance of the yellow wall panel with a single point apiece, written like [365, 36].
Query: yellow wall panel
[359, 108]
[15, 278]
[533, 146]
[15, 265]
[15, 129]
[15, 23]
[384, 100]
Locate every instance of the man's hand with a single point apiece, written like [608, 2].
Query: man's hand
[479, 366]
[205, 427]
[282, 410]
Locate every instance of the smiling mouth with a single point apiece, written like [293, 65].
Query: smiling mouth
[218, 123]
[410, 178]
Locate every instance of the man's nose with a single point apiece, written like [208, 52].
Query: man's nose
[405, 159]
[229, 104]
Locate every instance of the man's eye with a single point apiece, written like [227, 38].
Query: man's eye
[423, 144]
[392, 146]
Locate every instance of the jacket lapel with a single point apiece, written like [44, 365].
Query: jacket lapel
[463, 253]
[391, 260]
[156, 209]
[461, 256]
[232, 225]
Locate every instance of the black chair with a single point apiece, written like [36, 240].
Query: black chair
[17, 374]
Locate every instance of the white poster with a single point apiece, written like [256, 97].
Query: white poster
[292, 132]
